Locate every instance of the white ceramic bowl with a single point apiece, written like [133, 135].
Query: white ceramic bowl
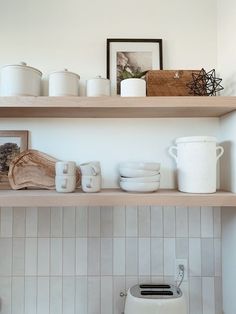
[139, 187]
[134, 173]
[155, 178]
[141, 165]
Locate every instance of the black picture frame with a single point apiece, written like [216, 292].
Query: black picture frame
[110, 51]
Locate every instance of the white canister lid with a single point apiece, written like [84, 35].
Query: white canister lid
[23, 65]
[65, 71]
[99, 77]
[190, 139]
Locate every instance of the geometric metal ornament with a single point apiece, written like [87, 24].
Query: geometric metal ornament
[205, 83]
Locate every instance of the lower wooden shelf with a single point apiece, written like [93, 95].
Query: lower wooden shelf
[112, 197]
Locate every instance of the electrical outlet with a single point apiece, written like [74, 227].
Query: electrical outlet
[181, 262]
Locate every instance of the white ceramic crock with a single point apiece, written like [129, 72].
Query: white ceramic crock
[63, 83]
[133, 87]
[20, 80]
[196, 159]
[98, 87]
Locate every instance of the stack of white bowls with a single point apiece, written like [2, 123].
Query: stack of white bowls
[139, 176]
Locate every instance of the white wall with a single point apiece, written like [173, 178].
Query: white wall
[51, 35]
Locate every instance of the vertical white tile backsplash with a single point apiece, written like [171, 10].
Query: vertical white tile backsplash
[56, 221]
[69, 222]
[31, 222]
[131, 221]
[44, 221]
[156, 221]
[18, 295]
[119, 256]
[78, 260]
[169, 256]
[43, 296]
[195, 267]
[68, 256]
[31, 295]
[106, 295]
[169, 222]
[119, 221]
[144, 221]
[31, 256]
[68, 295]
[194, 214]
[56, 299]
[56, 257]
[6, 221]
[5, 294]
[81, 256]
[181, 222]
[18, 222]
[43, 256]
[207, 222]
[5, 256]
[208, 295]
[18, 257]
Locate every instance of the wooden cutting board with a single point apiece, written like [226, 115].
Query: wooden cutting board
[169, 82]
[34, 169]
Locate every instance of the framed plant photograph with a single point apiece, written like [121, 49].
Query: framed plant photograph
[12, 143]
[131, 58]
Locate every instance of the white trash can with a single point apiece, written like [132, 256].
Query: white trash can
[196, 158]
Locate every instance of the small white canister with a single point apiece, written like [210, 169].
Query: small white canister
[196, 158]
[133, 87]
[20, 80]
[98, 87]
[63, 83]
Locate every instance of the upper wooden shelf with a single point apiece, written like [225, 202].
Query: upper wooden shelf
[115, 107]
[112, 197]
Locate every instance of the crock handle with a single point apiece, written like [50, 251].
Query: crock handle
[170, 151]
[221, 152]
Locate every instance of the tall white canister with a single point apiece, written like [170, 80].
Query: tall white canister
[63, 83]
[98, 87]
[196, 158]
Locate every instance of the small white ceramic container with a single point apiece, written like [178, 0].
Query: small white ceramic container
[141, 165]
[139, 187]
[98, 87]
[196, 159]
[133, 87]
[66, 167]
[91, 184]
[155, 178]
[63, 83]
[91, 168]
[20, 80]
[130, 173]
[65, 183]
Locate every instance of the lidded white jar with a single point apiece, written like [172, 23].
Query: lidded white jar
[20, 80]
[98, 87]
[63, 83]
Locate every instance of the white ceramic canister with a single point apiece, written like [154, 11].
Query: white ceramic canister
[20, 80]
[196, 159]
[98, 87]
[133, 87]
[63, 83]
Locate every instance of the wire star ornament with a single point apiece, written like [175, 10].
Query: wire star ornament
[205, 83]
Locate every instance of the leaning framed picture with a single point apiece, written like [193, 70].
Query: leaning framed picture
[130, 58]
[12, 143]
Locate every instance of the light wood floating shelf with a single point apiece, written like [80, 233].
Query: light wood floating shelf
[112, 197]
[115, 107]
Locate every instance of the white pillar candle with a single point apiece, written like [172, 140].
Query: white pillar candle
[133, 87]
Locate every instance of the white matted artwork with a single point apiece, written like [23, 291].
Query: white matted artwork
[128, 58]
